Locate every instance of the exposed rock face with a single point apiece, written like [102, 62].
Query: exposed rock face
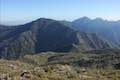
[45, 35]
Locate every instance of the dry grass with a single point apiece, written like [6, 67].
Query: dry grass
[55, 72]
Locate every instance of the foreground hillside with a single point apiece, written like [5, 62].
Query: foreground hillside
[92, 65]
[14, 70]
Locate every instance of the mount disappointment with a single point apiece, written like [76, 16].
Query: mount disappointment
[45, 35]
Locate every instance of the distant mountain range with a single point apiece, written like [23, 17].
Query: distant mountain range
[44, 35]
[109, 30]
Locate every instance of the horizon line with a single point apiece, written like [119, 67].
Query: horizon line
[22, 22]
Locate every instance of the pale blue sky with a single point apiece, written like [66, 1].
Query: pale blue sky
[19, 11]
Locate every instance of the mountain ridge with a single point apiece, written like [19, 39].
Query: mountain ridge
[103, 28]
[44, 35]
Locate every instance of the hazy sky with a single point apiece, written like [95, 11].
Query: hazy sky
[19, 11]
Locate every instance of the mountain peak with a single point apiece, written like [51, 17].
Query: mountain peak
[99, 19]
[43, 19]
[83, 19]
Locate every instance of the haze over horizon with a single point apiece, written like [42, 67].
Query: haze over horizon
[22, 11]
